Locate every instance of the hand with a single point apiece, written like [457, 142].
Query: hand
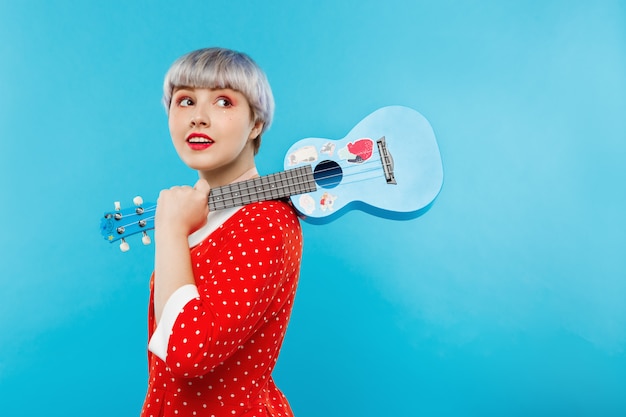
[182, 210]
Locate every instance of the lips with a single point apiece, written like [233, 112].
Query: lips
[199, 141]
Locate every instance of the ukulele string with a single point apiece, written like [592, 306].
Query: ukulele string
[251, 187]
[145, 216]
[236, 196]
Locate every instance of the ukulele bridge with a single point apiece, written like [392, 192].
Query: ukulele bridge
[386, 160]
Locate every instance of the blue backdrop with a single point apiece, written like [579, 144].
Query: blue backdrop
[506, 298]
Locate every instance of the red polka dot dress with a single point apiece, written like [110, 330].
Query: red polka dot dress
[214, 349]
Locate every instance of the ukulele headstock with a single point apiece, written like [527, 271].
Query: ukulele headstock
[122, 223]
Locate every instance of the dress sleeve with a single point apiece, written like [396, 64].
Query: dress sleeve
[174, 305]
[245, 273]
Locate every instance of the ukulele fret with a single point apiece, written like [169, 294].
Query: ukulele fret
[274, 189]
[264, 184]
[217, 199]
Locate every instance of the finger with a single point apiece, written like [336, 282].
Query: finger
[203, 186]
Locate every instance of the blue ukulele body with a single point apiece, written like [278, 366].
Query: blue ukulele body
[388, 165]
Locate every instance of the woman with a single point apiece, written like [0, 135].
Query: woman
[224, 282]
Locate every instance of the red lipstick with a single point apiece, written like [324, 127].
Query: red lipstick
[199, 141]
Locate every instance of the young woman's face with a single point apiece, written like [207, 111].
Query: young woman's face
[212, 131]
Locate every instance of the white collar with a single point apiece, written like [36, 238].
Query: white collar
[216, 218]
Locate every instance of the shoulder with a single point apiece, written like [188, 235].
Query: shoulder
[272, 210]
[274, 217]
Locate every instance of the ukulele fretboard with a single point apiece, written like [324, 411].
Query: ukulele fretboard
[270, 187]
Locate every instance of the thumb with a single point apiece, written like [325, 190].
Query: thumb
[203, 186]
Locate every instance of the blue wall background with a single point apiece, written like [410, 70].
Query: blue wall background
[507, 298]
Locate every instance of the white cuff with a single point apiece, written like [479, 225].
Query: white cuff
[174, 305]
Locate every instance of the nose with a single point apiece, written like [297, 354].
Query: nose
[200, 118]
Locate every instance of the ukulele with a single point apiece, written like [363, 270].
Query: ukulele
[388, 166]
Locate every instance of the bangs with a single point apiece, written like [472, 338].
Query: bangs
[208, 74]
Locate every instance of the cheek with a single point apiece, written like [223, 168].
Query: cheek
[241, 124]
[174, 127]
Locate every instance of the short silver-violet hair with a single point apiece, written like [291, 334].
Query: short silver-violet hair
[222, 68]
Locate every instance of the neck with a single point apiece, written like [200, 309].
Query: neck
[251, 173]
[219, 179]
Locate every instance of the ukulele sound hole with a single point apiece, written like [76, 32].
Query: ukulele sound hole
[328, 174]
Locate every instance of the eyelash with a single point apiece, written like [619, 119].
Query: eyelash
[228, 102]
[181, 100]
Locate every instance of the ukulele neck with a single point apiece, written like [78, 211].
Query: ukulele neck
[270, 187]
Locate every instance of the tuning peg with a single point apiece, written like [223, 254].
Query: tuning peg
[117, 205]
[138, 201]
[124, 246]
[145, 239]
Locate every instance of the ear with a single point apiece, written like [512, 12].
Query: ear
[256, 130]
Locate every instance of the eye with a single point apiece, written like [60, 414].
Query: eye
[223, 102]
[185, 102]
